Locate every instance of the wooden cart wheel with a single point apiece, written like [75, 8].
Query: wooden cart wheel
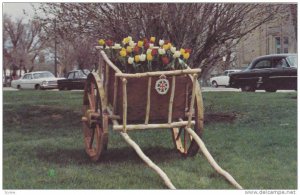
[95, 121]
[182, 140]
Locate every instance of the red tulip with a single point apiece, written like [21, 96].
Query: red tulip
[188, 51]
[145, 40]
[136, 49]
[109, 42]
[154, 52]
[167, 42]
[165, 60]
[146, 45]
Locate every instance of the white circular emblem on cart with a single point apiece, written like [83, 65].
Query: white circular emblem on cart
[162, 86]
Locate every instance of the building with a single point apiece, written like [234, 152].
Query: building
[277, 36]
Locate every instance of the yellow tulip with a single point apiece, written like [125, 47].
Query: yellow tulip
[182, 51]
[140, 43]
[129, 49]
[186, 55]
[149, 57]
[126, 40]
[123, 52]
[166, 46]
[152, 39]
[137, 58]
[101, 42]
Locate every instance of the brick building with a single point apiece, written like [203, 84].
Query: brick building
[277, 36]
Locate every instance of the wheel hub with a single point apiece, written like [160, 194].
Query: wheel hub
[92, 118]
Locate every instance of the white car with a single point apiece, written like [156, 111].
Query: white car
[36, 80]
[223, 79]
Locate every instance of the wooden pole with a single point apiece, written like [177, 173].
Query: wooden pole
[159, 73]
[115, 95]
[100, 65]
[147, 160]
[171, 99]
[107, 60]
[152, 126]
[186, 97]
[211, 160]
[124, 81]
[148, 101]
[192, 101]
[106, 78]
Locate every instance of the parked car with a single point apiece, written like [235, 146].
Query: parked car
[270, 73]
[74, 80]
[223, 79]
[36, 80]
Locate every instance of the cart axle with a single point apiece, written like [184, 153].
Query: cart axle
[91, 118]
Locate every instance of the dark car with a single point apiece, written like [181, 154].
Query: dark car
[74, 80]
[270, 73]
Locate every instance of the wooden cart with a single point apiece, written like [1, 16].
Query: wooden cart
[142, 101]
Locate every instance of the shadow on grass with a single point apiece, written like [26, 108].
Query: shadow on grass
[114, 155]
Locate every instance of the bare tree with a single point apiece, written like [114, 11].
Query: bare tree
[293, 8]
[21, 43]
[211, 30]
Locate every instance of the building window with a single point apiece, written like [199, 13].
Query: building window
[285, 40]
[286, 50]
[278, 44]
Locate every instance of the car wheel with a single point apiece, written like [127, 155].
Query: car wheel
[271, 90]
[18, 86]
[214, 84]
[248, 88]
[37, 87]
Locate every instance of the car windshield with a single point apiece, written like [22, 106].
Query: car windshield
[43, 75]
[293, 60]
[83, 74]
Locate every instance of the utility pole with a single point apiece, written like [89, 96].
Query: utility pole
[55, 50]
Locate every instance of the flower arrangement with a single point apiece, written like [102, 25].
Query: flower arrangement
[144, 56]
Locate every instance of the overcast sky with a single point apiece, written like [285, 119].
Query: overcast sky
[16, 9]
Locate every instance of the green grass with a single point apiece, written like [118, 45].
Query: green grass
[43, 146]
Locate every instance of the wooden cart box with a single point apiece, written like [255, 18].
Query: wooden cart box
[137, 94]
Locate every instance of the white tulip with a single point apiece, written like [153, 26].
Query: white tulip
[161, 51]
[130, 60]
[142, 57]
[132, 44]
[149, 51]
[177, 54]
[151, 45]
[117, 46]
[173, 49]
[161, 42]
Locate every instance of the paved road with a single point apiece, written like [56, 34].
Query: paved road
[219, 89]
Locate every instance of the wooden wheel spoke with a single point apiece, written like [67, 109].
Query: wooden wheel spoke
[97, 102]
[179, 134]
[91, 95]
[92, 138]
[185, 141]
[91, 101]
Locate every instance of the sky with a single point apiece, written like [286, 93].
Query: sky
[16, 9]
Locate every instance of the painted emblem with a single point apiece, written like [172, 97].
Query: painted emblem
[162, 85]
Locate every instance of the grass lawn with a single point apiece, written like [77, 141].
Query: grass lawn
[43, 145]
